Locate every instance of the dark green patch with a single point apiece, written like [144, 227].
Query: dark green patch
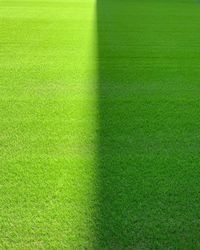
[149, 143]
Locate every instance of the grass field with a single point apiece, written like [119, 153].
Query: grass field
[100, 124]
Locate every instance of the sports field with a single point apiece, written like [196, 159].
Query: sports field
[100, 124]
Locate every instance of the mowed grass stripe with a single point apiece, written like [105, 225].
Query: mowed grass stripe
[48, 121]
[149, 124]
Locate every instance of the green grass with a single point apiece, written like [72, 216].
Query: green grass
[100, 125]
[149, 104]
[48, 122]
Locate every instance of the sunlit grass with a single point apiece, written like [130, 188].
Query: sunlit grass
[48, 124]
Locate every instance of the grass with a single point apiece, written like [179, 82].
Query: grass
[48, 122]
[100, 143]
[149, 142]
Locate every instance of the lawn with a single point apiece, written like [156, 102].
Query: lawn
[100, 124]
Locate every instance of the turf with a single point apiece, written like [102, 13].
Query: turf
[100, 145]
[48, 110]
[149, 107]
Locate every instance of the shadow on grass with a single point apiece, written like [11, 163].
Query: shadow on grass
[144, 196]
[121, 125]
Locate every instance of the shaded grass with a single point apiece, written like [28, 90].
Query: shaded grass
[149, 147]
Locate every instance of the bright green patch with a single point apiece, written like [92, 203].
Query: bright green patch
[48, 121]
